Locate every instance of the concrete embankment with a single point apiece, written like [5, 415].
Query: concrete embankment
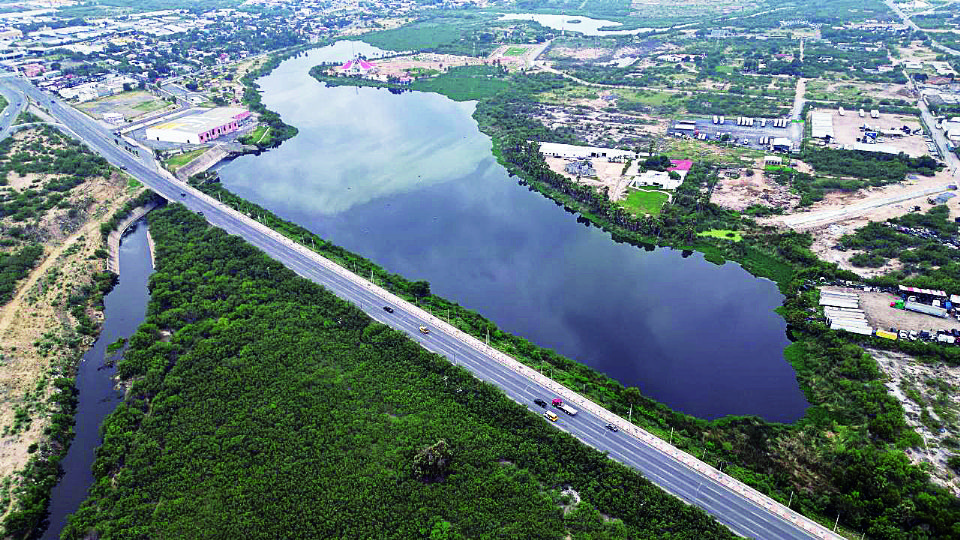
[211, 157]
[113, 240]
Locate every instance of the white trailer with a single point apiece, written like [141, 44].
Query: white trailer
[841, 111]
[861, 113]
[721, 119]
[763, 123]
[716, 119]
[874, 114]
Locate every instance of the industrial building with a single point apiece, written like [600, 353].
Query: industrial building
[200, 128]
[570, 151]
[822, 123]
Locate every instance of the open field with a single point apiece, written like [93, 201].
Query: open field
[725, 234]
[416, 65]
[130, 104]
[854, 91]
[644, 201]
[515, 51]
[179, 160]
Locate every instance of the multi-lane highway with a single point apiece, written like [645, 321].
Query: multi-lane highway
[743, 510]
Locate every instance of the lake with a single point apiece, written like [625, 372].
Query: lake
[575, 23]
[409, 182]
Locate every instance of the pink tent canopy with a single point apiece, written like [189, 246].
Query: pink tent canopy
[364, 64]
[681, 165]
[347, 65]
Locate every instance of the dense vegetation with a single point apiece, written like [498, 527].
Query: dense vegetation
[278, 129]
[275, 398]
[875, 166]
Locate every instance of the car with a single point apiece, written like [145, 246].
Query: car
[612, 428]
[540, 402]
[182, 194]
[424, 330]
[903, 334]
[123, 167]
[551, 416]
[199, 213]
[913, 335]
[388, 309]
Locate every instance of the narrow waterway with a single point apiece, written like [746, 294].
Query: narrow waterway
[125, 308]
[410, 182]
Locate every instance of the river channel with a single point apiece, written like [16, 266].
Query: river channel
[125, 309]
[410, 182]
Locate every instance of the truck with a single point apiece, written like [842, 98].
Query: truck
[721, 119]
[716, 119]
[874, 113]
[861, 113]
[558, 403]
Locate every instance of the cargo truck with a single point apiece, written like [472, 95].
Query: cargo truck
[558, 403]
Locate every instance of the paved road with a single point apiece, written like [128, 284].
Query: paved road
[741, 509]
[16, 105]
[951, 159]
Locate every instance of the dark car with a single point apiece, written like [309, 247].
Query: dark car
[541, 403]
[388, 309]
[182, 194]
[612, 427]
[199, 213]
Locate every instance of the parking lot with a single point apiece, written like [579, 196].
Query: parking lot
[746, 136]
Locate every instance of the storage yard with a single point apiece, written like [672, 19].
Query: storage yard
[757, 133]
[889, 130]
[860, 310]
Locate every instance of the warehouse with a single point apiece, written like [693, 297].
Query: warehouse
[200, 128]
[822, 125]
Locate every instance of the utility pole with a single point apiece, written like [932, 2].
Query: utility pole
[488, 337]
[791, 499]
[836, 523]
[671, 435]
[630, 416]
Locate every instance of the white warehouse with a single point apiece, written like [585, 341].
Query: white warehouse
[199, 128]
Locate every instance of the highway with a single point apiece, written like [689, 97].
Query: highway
[743, 510]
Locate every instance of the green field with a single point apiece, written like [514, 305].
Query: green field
[725, 234]
[515, 51]
[150, 106]
[643, 201]
[464, 83]
[180, 160]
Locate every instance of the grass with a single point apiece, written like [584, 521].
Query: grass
[515, 51]
[133, 184]
[724, 234]
[643, 201]
[150, 106]
[180, 160]
[422, 72]
[464, 83]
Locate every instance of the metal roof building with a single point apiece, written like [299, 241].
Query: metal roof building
[199, 128]
[822, 124]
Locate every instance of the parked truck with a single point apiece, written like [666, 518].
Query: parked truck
[558, 403]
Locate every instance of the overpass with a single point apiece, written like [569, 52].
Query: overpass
[741, 508]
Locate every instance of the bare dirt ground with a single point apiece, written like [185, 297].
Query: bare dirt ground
[35, 326]
[916, 52]
[847, 130]
[608, 175]
[742, 192]
[876, 306]
[930, 395]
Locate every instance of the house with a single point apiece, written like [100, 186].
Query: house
[660, 179]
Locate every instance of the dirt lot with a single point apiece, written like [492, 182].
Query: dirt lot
[876, 305]
[930, 395]
[847, 130]
[36, 326]
[130, 104]
[596, 126]
[608, 175]
[742, 192]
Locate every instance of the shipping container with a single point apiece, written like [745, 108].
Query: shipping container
[926, 309]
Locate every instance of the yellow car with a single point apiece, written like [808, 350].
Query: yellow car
[424, 330]
[551, 416]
